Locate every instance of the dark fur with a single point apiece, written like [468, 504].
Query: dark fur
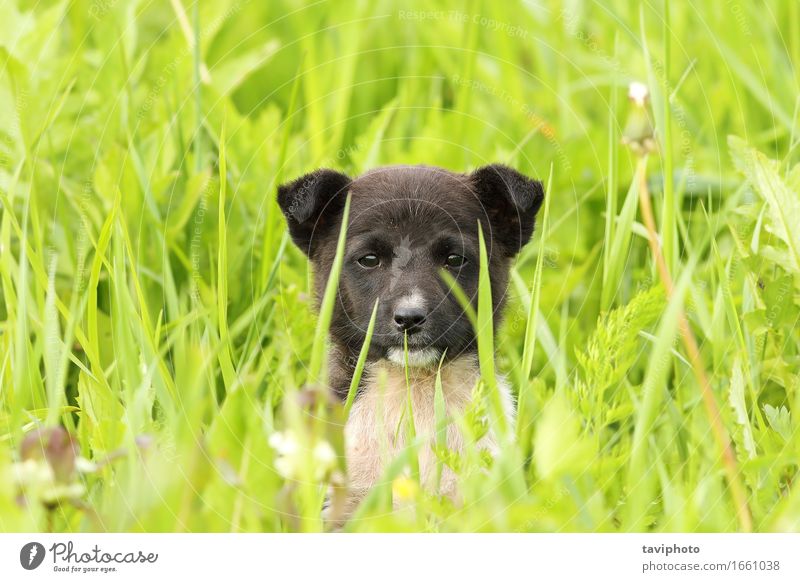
[412, 217]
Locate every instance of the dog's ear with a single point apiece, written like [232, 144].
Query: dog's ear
[312, 205]
[511, 202]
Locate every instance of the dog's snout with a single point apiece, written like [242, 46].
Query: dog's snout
[409, 318]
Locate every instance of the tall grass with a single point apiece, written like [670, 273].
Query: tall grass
[153, 309]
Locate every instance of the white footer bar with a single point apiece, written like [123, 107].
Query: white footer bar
[401, 557]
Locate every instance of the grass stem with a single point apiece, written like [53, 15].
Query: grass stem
[710, 405]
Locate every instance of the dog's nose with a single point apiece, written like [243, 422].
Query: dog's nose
[409, 318]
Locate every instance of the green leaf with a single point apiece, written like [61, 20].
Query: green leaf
[228, 75]
[558, 447]
[614, 344]
[780, 421]
[783, 204]
[779, 296]
[737, 401]
[102, 414]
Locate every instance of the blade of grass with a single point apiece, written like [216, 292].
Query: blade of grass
[225, 356]
[470, 50]
[483, 324]
[718, 430]
[22, 381]
[33, 264]
[440, 420]
[536, 291]
[640, 475]
[613, 185]
[271, 214]
[620, 244]
[411, 429]
[668, 213]
[317, 370]
[199, 71]
[362, 359]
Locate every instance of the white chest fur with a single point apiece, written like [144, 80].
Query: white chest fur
[376, 430]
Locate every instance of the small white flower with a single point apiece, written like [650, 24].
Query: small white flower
[638, 93]
[285, 467]
[84, 465]
[37, 481]
[324, 459]
[32, 472]
[294, 456]
[284, 443]
[59, 492]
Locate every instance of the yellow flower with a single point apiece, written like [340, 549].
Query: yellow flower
[404, 488]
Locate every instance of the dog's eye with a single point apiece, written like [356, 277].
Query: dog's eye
[369, 261]
[455, 261]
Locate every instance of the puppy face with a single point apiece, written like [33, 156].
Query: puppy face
[407, 224]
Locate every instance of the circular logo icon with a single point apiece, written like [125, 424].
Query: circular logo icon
[31, 555]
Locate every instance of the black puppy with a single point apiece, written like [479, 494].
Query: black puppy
[406, 224]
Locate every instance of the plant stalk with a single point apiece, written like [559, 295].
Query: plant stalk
[710, 405]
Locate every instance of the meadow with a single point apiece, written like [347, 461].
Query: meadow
[162, 358]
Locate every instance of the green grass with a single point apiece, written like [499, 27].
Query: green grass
[153, 308]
